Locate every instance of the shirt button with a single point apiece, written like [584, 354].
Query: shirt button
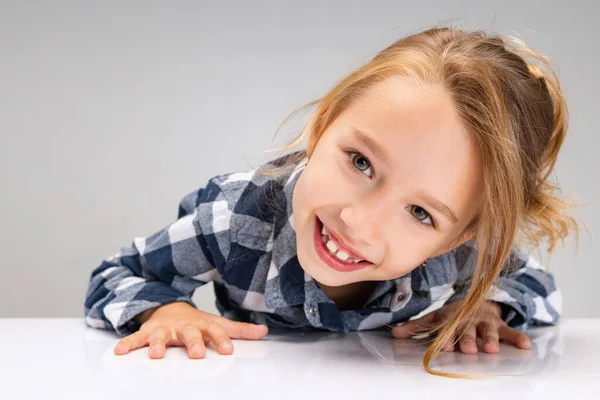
[400, 297]
[312, 310]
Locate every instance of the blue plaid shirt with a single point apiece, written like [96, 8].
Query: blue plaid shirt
[238, 232]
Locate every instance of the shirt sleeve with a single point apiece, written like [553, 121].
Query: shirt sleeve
[527, 293]
[525, 290]
[162, 268]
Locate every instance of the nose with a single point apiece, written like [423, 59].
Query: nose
[367, 217]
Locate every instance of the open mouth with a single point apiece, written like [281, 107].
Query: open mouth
[331, 254]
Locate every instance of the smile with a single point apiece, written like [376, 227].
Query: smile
[334, 254]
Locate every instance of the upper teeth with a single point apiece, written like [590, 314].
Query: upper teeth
[332, 247]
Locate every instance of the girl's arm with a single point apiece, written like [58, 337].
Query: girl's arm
[163, 268]
[525, 290]
[527, 293]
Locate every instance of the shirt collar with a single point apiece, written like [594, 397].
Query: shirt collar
[285, 279]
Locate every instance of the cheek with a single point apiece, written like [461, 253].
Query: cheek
[305, 199]
[322, 185]
[404, 253]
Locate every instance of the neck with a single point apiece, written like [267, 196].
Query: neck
[350, 296]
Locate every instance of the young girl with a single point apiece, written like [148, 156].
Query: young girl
[421, 168]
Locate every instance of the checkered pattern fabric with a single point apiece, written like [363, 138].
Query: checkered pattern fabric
[238, 232]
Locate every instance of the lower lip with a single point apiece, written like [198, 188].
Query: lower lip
[329, 258]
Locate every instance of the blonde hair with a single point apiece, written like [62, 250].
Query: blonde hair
[515, 112]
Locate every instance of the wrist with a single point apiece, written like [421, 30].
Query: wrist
[146, 315]
[497, 307]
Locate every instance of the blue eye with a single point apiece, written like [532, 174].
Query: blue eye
[360, 163]
[421, 216]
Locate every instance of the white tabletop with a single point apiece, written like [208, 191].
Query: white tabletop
[61, 358]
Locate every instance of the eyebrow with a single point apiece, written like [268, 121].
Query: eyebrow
[438, 205]
[371, 144]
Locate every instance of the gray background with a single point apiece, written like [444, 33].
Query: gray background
[111, 111]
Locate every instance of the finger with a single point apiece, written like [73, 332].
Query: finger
[519, 339]
[219, 337]
[158, 340]
[131, 342]
[192, 338]
[449, 345]
[488, 332]
[467, 340]
[413, 327]
[243, 330]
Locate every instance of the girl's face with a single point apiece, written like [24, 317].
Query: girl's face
[395, 179]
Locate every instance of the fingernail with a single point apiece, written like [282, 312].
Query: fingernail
[225, 346]
[196, 347]
[122, 347]
[155, 348]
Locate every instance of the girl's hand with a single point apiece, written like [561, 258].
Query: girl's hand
[180, 324]
[487, 325]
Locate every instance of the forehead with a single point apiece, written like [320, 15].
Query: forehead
[420, 130]
[400, 108]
